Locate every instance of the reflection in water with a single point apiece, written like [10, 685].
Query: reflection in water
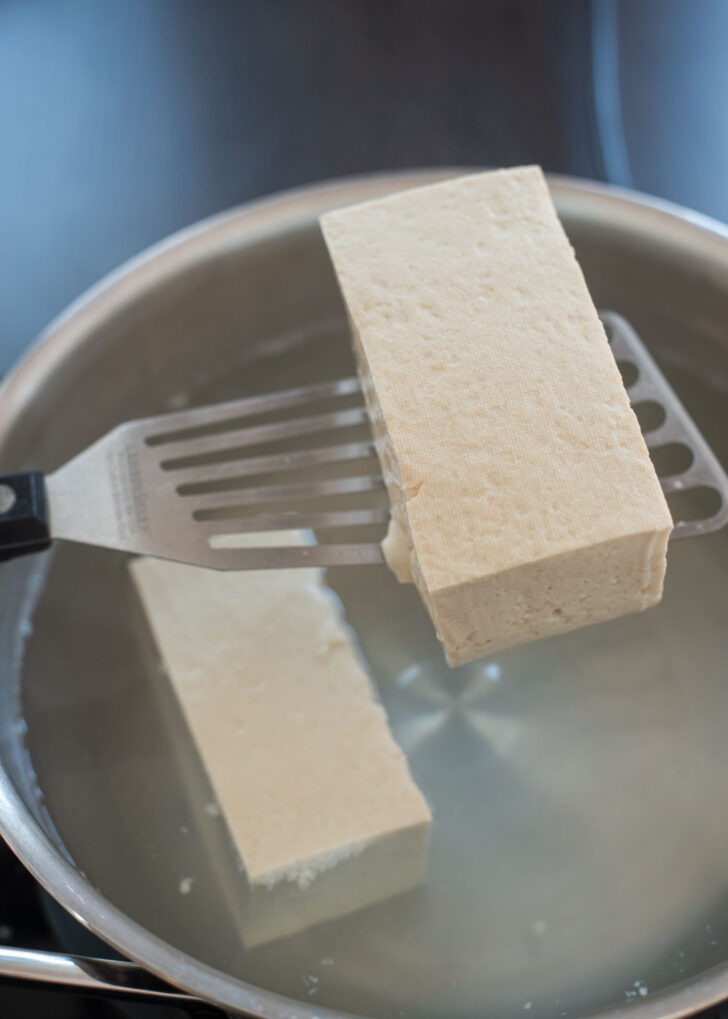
[578, 788]
[439, 700]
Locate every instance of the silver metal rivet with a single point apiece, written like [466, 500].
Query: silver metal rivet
[7, 498]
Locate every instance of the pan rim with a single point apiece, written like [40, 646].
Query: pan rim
[676, 227]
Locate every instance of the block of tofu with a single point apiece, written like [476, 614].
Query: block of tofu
[523, 497]
[316, 793]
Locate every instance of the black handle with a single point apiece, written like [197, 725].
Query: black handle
[24, 523]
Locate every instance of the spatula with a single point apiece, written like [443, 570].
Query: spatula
[185, 485]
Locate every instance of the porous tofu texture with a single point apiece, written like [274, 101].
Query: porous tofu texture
[523, 496]
[288, 727]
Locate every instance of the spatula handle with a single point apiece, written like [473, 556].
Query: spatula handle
[24, 520]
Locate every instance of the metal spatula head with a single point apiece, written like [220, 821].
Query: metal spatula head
[186, 486]
[690, 465]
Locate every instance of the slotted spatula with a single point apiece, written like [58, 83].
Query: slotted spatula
[182, 486]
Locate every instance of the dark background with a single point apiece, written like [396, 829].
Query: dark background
[124, 120]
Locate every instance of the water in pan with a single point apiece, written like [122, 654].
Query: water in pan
[578, 787]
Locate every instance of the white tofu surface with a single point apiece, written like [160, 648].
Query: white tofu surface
[523, 496]
[295, 744]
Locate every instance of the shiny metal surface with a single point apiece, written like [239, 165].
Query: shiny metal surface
[177, 486]
[579, 842]
[675, 430]
[105, 977]
[173, 486]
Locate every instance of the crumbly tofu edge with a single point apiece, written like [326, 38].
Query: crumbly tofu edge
[400, 547]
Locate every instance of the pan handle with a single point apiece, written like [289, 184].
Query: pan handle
[100, 977]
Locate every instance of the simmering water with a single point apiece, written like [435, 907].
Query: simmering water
[579, 786]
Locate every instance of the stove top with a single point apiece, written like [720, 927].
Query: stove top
[23, 924]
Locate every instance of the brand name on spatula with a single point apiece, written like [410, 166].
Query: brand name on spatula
[130, 496]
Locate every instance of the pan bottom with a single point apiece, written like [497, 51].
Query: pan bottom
[577, 785]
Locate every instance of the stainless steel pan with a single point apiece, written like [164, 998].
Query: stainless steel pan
[579, 786]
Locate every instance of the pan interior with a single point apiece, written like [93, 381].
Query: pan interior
[578, 785]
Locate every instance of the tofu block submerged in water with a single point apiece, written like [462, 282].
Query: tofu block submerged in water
[523, 497]
[315, 791]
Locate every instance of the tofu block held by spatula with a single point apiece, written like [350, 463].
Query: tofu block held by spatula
[524, 502]
[316, 793]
